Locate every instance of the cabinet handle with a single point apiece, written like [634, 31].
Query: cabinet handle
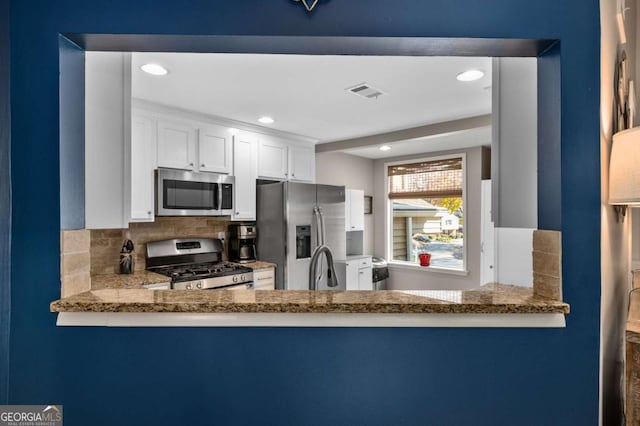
[352, 227]
[286, 174]
[237, 212]
[293, 175]
[149, 213]
[361, 272]
[191, 164]
[202, 165]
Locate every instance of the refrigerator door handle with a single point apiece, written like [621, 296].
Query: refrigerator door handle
[322, 227]
[324, 242]
[317, 214]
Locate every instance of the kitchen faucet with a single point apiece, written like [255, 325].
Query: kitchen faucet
[332, 279]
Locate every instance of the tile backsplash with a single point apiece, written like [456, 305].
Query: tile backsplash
[74, 261]
[106, 243]
[547, 264]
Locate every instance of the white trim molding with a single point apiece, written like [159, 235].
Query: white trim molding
[156, 319]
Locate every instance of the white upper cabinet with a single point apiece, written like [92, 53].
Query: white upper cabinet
[176, 145]
[272, 159]
[214, 149]
[302, 163]
[143, 153]
[245, 166]
[354, 210]
[280, 160]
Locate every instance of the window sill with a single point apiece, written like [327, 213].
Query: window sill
[430, 269]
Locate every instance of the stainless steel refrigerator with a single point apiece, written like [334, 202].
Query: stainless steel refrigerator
[289, 230]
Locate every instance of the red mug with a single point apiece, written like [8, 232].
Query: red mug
[425, 259]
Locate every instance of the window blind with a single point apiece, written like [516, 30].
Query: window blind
[426, 179]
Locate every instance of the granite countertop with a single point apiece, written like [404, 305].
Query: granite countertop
[489, 299]
[127, 281]
[139, 279]
[257, 265]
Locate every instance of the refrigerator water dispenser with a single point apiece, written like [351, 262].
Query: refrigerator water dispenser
[303, 242]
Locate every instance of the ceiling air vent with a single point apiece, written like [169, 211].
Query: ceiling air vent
[366, 91]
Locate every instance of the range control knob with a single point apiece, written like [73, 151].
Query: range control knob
[199, 284]
[189, 286]
[235, 279]
[243, 278]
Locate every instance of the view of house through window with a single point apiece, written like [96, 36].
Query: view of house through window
[426, 201]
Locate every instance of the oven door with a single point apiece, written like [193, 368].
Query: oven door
[245, 286]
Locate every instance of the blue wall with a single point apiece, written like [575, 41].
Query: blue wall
[71, 135]
[303, 376]
[5, 201]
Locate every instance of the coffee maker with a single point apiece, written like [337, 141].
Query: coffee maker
[242, 242]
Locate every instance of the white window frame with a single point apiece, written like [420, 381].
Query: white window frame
[388, 219]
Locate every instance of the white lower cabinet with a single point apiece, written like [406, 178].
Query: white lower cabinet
[264, 279]
[245, 171]
[359, 274]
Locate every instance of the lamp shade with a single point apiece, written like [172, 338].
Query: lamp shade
[624, 168]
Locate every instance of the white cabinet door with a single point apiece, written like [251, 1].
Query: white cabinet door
[264, 279]
[272, 159]
[365, 277]
[244, 167]
[214, 149]
[142, 166]
[352, 275]
[302, 164]
[176, 145]
[354, 210]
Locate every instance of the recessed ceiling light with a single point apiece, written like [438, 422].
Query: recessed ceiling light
[470, 75]
[266, 120]
[154, 69]
[385, 148]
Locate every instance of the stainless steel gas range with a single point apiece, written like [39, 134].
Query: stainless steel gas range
[196, 264]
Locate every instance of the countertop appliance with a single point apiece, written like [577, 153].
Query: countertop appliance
[184, 193]
[242, 242]
[290, 217]
[196, 264]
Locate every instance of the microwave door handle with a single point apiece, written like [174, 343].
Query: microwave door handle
[219, 197]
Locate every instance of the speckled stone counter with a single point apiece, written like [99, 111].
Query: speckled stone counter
[490, 299]
[257, 265]
[126, 281]
[140, 279]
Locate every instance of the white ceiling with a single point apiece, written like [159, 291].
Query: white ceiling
[457, 140]
[306, 94]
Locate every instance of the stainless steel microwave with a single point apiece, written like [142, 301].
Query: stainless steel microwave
[184, 193]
